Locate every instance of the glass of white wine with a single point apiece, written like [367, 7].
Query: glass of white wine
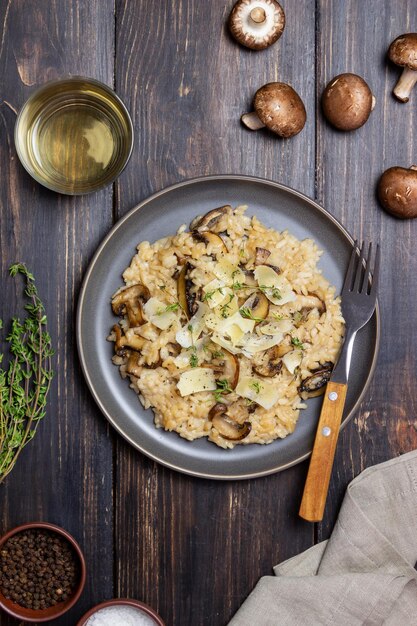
[74, 135]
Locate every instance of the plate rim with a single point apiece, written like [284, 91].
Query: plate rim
[90, 269]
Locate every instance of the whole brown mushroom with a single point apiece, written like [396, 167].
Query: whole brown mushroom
[257, 24]
[347, 102]
[397, 191]
[279, 108]
[403, 52]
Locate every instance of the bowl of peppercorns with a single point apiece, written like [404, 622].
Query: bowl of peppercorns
[42, 572]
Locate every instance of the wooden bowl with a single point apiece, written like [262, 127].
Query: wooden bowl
[53, 612]
[123, 602]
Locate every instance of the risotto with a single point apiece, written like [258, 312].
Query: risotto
[226, 329]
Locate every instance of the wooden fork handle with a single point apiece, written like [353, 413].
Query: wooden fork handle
[321, 463]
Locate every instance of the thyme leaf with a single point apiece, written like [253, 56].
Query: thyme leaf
[25, 383]
[170, 307]
[225, 307]
[210, 294]
[246, 312]
[256, 386]
[223, 386]
[274, 291]
[297, 343]
[194, 357]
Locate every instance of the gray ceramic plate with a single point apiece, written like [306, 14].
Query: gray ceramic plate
[158, 216]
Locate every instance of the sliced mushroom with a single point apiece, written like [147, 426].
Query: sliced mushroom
[284, 347]
[227, 428]
[267, 363]
[186, 295]
[118, 345]
[258, 304]
[397, 191]
[182, 260]
[215, 241]
[132, 366]
[130, 301]
[173, 349]
[230, 364]
[130, 340]
[257, 24]
[250, 279]
[226, 367]
[261, 256]
[403, 52]
[278, 107]
[134, 369]
[210, 219]
[347, 101]
[308, 304]
[314, 385]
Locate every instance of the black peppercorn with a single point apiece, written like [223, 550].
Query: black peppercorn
[37, 569]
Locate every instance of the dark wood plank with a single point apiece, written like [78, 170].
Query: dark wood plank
[191, 548]
[354, 37]
[65, 474]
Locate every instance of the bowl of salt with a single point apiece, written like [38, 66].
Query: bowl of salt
[121, 612]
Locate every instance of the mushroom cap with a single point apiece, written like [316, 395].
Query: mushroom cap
[280, 108]
[347, 101]
[397, 191]
[403, 51]
[257, 35]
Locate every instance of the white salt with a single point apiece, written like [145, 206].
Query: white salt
[120, 616]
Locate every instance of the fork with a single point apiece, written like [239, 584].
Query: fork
[359, 295]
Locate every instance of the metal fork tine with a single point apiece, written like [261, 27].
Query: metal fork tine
[358, 277]
[347, 285]
[367, 276]
[375, 275]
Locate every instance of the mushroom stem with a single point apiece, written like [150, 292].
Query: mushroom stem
[373, 103]
[258, 15]
[413, 167]
[252, 121]
[404, 86]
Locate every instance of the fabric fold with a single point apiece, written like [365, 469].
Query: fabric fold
[364, 574]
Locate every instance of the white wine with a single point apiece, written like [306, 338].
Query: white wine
[74, 136]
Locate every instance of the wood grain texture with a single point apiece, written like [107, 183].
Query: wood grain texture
[65, 475]
[191, 548]
[199, 547]
[354, 37]
[321, 463]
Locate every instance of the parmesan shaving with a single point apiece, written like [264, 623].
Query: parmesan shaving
[261, 391]
[155, 312]
[195, 380]
[270, 281]
[192, 329]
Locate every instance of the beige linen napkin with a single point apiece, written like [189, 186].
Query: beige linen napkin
[364, 574]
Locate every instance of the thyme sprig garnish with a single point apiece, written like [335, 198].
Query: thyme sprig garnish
[174, 304]
[223, 386]
[224, 309]
[193, 360]
[256, 386]
[170, 307]
[275, 292]
[210, 294]
[247, 313]
[297, 343]
[24, 385]
[194, 357]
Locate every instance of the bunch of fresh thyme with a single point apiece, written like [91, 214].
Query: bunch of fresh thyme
[25, 383]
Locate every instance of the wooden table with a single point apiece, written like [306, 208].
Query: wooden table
[192, 548]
